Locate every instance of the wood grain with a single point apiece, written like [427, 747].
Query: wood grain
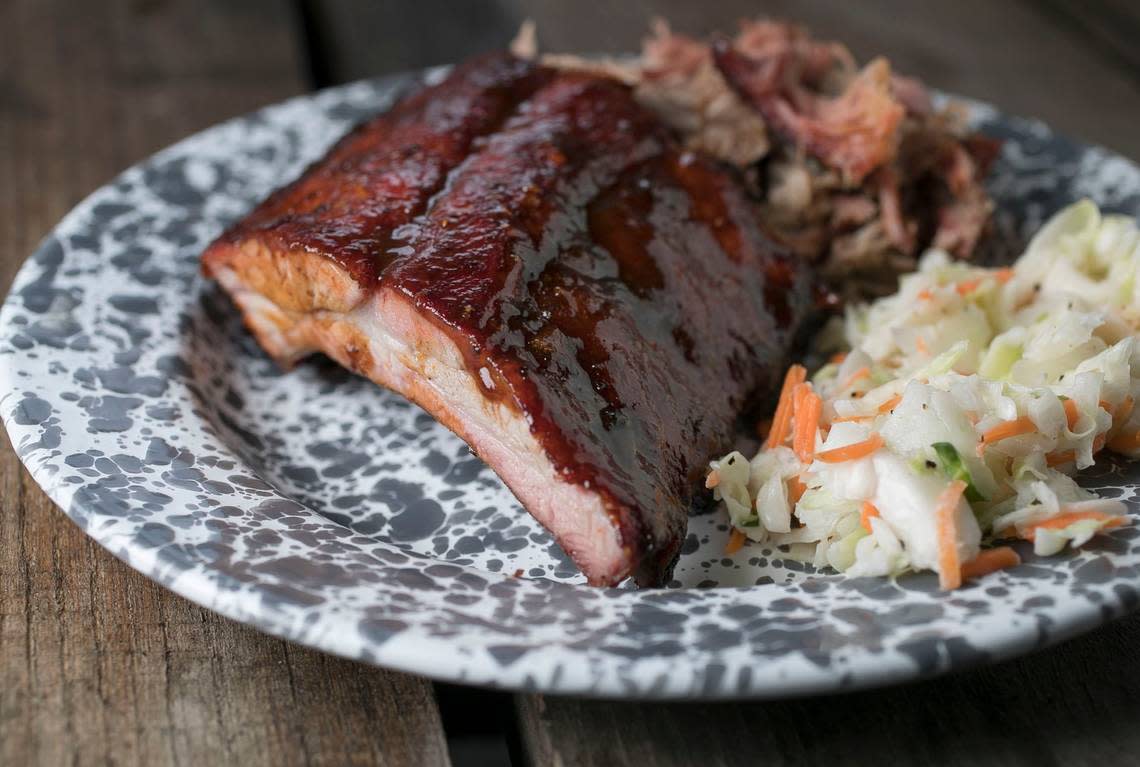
[1074, 705]
[97, 664]
[1019, 54]
[1111, 27]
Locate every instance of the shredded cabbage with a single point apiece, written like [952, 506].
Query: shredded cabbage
[996, 384]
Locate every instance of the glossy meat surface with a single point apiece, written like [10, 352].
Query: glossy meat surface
[379, 177]
[612, 290]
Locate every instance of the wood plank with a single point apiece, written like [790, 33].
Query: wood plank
[97, 664]
[1076, 704]
[1026, 61]
[1113, 26]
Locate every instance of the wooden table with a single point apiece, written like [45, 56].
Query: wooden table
[100, 666]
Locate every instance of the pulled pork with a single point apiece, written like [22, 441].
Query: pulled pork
[809, 93]
[853, 168]
[889, 176]
[681, 82]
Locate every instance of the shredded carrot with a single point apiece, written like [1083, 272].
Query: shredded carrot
[808, 409]
[920, 344]
[966, 287]
[712, 480]
[1073, 413]
[1125, 410]
[1003, 275]
[1064, 520]
[798, 395]
[1007, 429]
[858, 375]
[869, 510]
[946, 517]
[851, 452]
[838, 358]
[925, 294]
[796, 489]
[989, 561]
[736, 540]
[1124, 443]
[1121, 412]
[890, 404]
[850, 418]
[782, 418]
[1058, 457]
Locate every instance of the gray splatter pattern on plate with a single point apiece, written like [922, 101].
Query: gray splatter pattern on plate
[320, 508]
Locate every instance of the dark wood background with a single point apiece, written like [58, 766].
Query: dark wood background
[99, 666]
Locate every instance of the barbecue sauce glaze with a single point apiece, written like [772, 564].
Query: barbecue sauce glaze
[613, 288]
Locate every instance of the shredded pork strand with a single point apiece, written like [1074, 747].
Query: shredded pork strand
[681, 82]
[853, 168]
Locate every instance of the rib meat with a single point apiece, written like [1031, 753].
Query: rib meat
[529, 256]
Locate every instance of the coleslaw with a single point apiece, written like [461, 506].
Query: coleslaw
[956, 414]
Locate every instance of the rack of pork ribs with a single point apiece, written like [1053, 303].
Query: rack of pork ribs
[530, 256]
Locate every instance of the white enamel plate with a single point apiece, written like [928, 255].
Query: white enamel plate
[320, 508]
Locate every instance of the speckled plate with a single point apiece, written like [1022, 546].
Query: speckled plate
[319, 508]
